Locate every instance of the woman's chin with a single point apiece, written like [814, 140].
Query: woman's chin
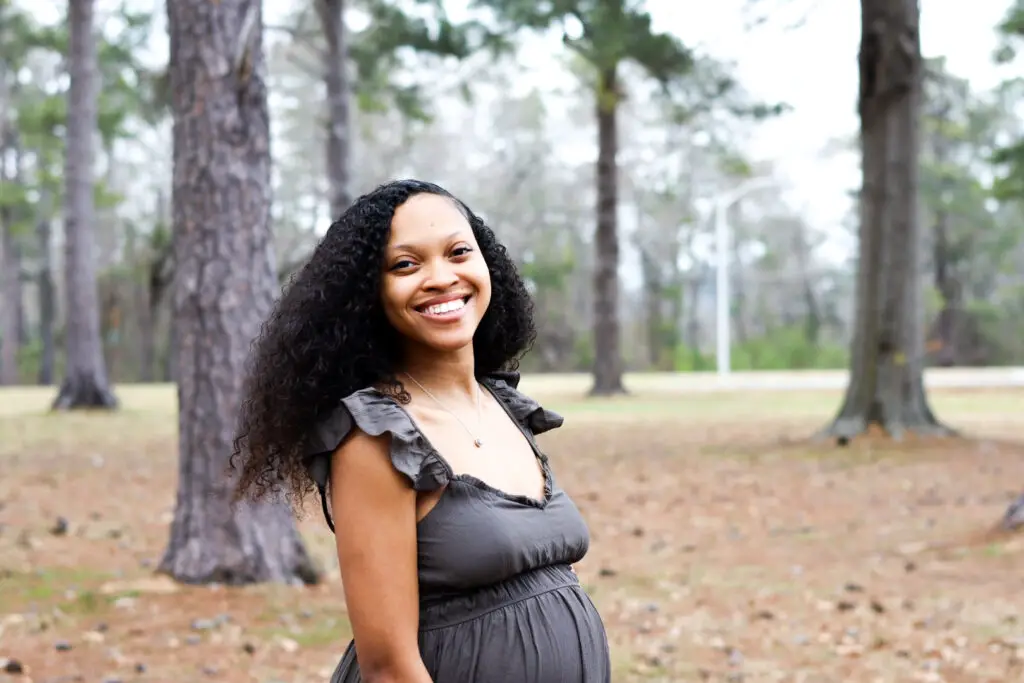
[446, 343]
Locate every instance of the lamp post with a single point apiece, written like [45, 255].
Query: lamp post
[722, 240]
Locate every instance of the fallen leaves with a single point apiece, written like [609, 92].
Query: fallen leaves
[716, 556]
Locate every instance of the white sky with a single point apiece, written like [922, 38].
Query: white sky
[814, 69]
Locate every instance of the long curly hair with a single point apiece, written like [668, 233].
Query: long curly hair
[328, 337]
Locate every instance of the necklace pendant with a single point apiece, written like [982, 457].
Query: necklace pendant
[478, 443]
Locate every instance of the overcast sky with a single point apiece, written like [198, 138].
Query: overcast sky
[814, 69]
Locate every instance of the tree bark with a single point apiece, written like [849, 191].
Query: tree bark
[223, 289]
[8, 264]
[9, 267]
[47, 295]
[332, 19]
[85, 384]
[946, 280]
[160, 276]
[607, 353]
[652, 298]
[812, 313]
[16, 259]
[887, 354]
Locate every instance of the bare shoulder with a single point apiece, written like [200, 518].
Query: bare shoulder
[363, 461]
[374, 510]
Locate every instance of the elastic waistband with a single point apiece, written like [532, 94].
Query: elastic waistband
[450, 610]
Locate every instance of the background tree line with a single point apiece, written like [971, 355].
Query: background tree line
[121, 253]
[434, 98]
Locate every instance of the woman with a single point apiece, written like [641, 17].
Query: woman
[385, 377]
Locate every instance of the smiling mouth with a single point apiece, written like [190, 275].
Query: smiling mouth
[445, 308]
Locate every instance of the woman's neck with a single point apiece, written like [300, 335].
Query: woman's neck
[451, 376]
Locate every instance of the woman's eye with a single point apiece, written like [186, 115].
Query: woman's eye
[461, 251]
[404, 263]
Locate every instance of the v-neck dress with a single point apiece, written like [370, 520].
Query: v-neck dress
[499, 601]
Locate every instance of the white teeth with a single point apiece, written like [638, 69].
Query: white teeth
[446, 307]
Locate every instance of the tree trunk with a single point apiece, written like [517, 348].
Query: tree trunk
[17, 291]
[945, 277]
[887, 355]
[607, 355]
[949, 289]
[146, 327]
[85, 384]
[332, 18]
[652, 298]
[47, 296]
[9, 268]
[223, 289]
[812, 310]
[160, 275]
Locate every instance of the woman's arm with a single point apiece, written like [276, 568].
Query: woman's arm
[374, 511]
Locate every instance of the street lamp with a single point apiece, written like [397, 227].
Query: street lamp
[722, 240]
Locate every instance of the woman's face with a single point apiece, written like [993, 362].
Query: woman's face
[436, 286]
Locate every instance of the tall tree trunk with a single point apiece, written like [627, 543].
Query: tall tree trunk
[44, 283]
[332, 18]
[607, 354]
[17, 252]
[949, 289]
[21, 313]
[9, 289]
[887, 360]
[812, 310]
[223, 289]
[945, 277]
[653, 292]
[85, 382]
[160, 274]
[146, 320]
[8, 271]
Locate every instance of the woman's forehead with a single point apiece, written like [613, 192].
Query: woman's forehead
[427, 218]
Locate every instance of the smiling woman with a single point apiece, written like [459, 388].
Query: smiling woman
[385, 379]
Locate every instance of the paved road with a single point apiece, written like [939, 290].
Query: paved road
[788, 380]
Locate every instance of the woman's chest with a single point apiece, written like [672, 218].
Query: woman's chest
[496, 451]
[474, 537]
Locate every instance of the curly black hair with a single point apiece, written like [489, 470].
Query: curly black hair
[328, 337]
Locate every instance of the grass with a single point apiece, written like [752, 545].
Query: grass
[724, 543]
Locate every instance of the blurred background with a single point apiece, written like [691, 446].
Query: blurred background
[693, 173]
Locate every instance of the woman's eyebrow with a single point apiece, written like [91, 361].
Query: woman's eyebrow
[412, 247]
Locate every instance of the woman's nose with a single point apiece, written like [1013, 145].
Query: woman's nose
[441, 275]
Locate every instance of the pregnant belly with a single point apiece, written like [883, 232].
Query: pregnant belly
[540, 627]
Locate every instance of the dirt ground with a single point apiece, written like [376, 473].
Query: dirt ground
[726, 546]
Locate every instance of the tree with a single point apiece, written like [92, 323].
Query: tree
[887, 354]
[375, 53]
[611, 33]
[85, 382]
[1010, 159]
[972, 243]
[332, 21]
[224, 286]
[34, 67]
[17, 34]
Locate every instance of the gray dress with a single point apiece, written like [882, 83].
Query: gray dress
[498, 599]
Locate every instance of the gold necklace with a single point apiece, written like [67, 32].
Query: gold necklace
[477, 441]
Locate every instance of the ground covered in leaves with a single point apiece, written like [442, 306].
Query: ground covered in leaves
[726, 547]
